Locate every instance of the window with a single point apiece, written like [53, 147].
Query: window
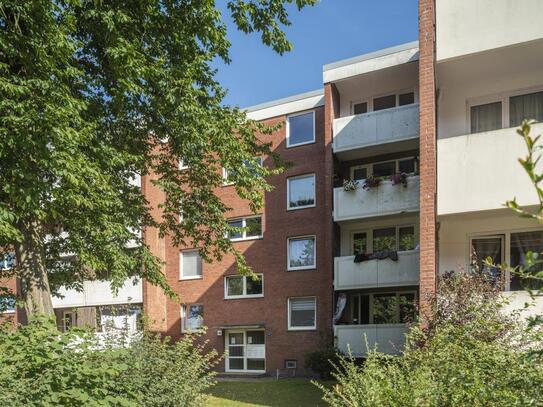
[528, 107]
[302, 313]
[7, 304]
[394, 238]
[383, 308]
[406, 99]
[251, 228]
[385, 169]
[301, 192]
[192, 317]
[190, 265]
[484, 247]
[384, 102]
[486, 117]
[229, 175]
[301, 253]
[301, 129]
[68, 320]
[360, 243]
[182, 164]
[243, 286]
[7, 260]
[360, 108]
[521, 244]
[384, 239]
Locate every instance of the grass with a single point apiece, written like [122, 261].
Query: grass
[285, 392]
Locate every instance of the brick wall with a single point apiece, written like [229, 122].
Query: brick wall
[269, 257]
[428, 264]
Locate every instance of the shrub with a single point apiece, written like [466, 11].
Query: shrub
[323, 361]
[40, 366]
[470, 355]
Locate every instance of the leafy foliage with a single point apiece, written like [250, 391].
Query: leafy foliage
[41, 367]
[323, 361]
[470, 355]
[92, 93]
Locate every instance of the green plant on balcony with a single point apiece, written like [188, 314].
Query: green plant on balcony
[350, 185]
[371, 182]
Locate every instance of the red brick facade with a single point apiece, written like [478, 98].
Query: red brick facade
[268, 256]
[428, 177]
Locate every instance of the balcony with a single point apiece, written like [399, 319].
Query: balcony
[363, 135]
[349, 275]
[478, 172]
[99, 293]
[388, 338]
[385, 199]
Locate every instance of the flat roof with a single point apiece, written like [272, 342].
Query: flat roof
[373, 61]
[282, 101]
[287, 105]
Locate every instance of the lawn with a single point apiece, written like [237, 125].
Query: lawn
[262, 392]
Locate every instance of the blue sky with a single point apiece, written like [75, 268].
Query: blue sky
[330, 31]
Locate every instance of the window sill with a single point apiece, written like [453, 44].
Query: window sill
[245, 239]
[301, 207]
[302, 268]
[305, 143]
[290, 329]
[191, 278]
[244, 297]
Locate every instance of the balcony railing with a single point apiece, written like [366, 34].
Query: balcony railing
[384, 126]
[376, 273]
[385, 199]
[388, 338]
[99, 293]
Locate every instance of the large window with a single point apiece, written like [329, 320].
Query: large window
[301, 129]
[521, 244]
[7, 260]
[385, 169]
[190, 264]
[243, 286]
[301, 253]
[229, 175]
[192, 317]
[302, 313]
[246, 228]
[383, 308]
[506, 110]
[7, 304]
[301, 192]
[485, 247]
[395, 238]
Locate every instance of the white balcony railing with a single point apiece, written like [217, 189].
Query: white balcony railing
[388, 338]
[376, 273]
[385, 199]
[99, 293]
[384, 126]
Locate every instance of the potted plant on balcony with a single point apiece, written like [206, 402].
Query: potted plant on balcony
[350, 185]
[371, 182]
[399, 178]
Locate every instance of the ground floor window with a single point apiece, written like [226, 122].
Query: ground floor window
[101, 318]
[487, 252]
[380, 308]
[192, 317]
[302, 313]
[246, 351]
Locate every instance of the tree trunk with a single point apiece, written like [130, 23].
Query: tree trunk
[31, 270]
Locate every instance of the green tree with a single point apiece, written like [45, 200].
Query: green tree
[93, 92]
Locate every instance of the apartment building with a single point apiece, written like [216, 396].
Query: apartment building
[402, 164]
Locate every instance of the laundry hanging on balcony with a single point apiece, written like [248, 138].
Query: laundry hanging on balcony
[385, 254]
[340, 306]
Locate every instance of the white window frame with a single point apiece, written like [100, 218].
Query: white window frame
[372, 305]
[356, 102]
[301, 328]
[182, 165]
[312, 267]
[197, 277]
[369, 236]
[506, 246]
[502, 97]
[369, 166]
[73, 319]
[226, 183]
[244, 225]
[183, 309]
[312, 141]
[289, 208]
[397, 93]
[244, 295]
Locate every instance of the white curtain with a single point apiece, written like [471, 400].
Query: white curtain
[340, 306]
[486, 117]
[526, 107]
